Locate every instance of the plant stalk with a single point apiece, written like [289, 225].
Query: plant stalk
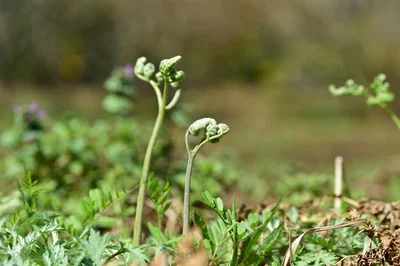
[186, 202]
[393, 116]
[146, 166]
[338, 182]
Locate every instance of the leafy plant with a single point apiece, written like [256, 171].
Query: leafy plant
[159, 196]
[235, 242]
[325, 255]
[63, 152]
[120, 87]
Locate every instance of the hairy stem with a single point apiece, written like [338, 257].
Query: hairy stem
[186, 202]
[394, 117]
[192, 154]
[158, 93]
[174, 100]
[146, 166]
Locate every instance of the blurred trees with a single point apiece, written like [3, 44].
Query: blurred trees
[285, 43]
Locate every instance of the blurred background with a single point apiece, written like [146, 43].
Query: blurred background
[263, 67]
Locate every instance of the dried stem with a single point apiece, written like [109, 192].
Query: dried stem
[338, 182]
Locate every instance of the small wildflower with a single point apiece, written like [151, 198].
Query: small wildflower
[34, 107]
[128, 69]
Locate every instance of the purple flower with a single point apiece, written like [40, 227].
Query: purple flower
[128, 69]
[17, 109]
[42, 114]
[34, 107]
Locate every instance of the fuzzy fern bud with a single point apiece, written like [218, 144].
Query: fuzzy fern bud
[200, 125]
[212, 130]
[139, 66]
[148, 70]
[350, 88]
[382, 94]
[174, 84]
[179, 75]
[159, 78]
[169, 73]
[168, 65]
[221, 129]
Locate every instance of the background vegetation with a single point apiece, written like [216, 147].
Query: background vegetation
[261, 66]
[76, 122]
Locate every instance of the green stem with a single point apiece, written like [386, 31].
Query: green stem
[186, 202]
[146, 166]
[188, 180]
[158, 93]
[159, 221]
[174, 100]
[392, 115]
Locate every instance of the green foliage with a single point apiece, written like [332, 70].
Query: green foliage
[216, 173]
[29, 236]
[329, 249]
[302, 187]
[29, 193]
[317, 258]
[120, 87]
[159, 196]
[71, 149]
[235, 242]
[95, 246]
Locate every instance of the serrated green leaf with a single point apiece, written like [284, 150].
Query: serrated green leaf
[95, 246]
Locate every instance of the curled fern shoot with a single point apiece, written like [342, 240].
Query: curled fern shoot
[170, 77]
[209, 131]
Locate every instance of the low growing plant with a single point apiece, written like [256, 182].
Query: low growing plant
[233, 242]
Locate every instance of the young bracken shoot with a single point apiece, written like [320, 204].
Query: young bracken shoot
[209, 131]
[170, 77]
[378, 94]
